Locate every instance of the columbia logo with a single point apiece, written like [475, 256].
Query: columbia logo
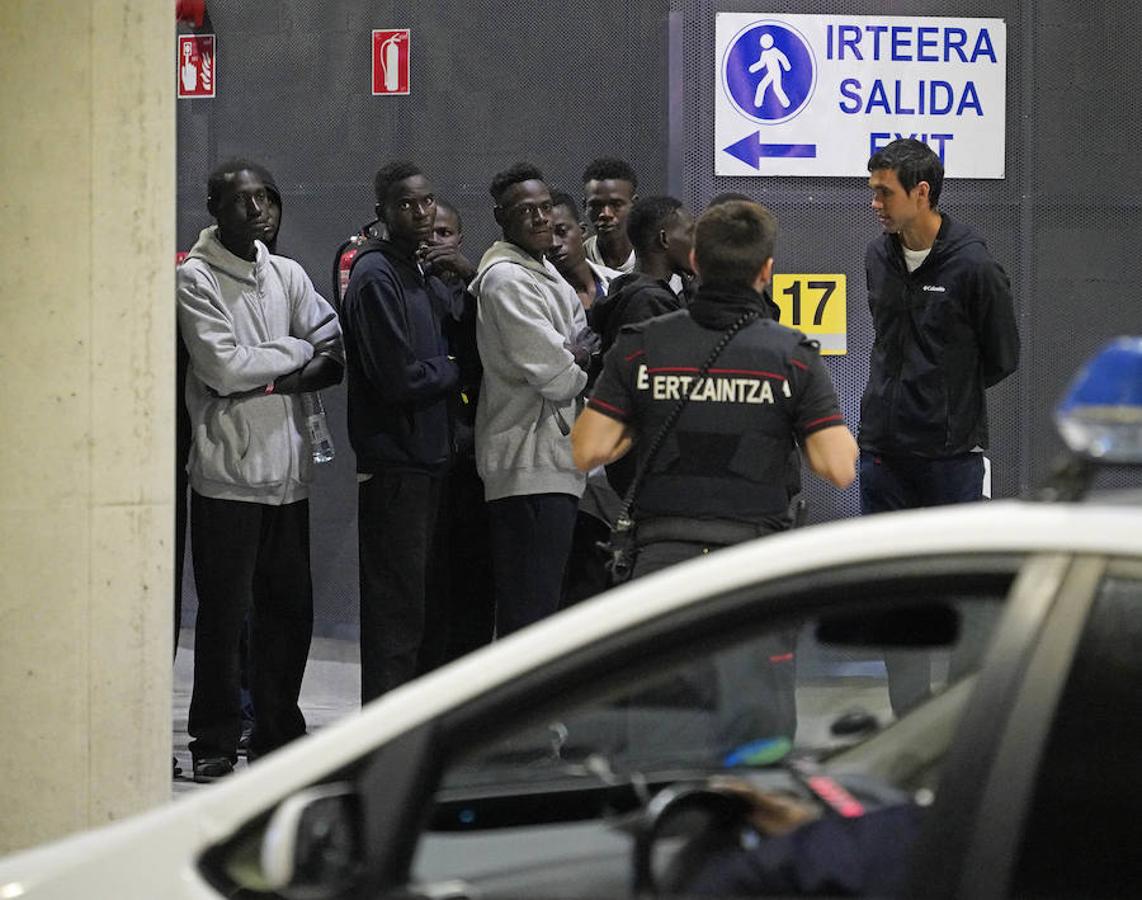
[935, 287]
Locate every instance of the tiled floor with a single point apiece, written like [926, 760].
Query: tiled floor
[330, 690]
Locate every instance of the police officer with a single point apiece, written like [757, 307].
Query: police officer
[719, 477]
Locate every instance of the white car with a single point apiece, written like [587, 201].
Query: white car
[982, 664]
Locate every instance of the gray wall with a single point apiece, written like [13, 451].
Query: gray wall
[562, 83]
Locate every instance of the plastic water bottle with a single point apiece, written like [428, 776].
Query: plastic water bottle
[317, 428]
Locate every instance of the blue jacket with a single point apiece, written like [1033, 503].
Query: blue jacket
[400, 374]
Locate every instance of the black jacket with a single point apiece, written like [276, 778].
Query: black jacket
[400, 375]
[727, 456]
[944, 333]
[632, 298]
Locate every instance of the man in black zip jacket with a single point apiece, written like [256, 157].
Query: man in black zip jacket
[945, 332]
[401, 378]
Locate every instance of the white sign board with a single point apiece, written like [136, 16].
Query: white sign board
[818, 95]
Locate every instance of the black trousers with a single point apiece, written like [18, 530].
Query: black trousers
[396, 520]
[461, 598]
[586, 572]
[889, 483]
[249, 559]
[531, 540]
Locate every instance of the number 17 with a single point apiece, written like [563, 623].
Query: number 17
[793, 292]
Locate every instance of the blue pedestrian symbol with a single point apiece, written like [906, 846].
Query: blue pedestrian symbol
[770, 72]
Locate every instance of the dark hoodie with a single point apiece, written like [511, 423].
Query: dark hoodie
[400, 373]
[632, 298]
[944, 333]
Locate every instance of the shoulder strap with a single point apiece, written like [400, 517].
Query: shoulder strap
[675, 414]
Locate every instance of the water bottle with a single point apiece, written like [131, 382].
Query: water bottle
[317, 428]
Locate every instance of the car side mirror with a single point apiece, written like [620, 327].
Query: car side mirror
[311, 848]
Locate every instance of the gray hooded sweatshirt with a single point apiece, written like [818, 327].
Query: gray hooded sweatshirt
[245, 324]
[526, 317]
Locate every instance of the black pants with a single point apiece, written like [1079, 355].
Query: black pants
[396, 519]
[889, 483]
[249, 558]
[460, 612]
[586, 572]
[766, 664]
[531, 540]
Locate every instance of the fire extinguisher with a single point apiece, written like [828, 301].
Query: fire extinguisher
[390, 62]
[343, 259]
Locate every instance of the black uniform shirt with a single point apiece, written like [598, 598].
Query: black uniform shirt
[726, 456]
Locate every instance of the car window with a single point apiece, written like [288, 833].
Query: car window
[544, 807]
[1081, 832]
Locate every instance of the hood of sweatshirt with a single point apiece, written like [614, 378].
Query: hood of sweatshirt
[210, 250]
[505, 252]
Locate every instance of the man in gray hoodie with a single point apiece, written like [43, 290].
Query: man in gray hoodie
[535, 346]
[257, 335]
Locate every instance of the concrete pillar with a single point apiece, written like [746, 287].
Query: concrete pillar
[87, 205]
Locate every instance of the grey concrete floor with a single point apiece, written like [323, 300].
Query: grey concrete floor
[331, 689]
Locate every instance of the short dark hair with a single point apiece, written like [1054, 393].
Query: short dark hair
[732, 241]
[390, 174]
[610, 168]
[726, 197]
[647, 217]
[562, 198]
[913, 162]
[520, 172]
[445, 205]
[216, 182]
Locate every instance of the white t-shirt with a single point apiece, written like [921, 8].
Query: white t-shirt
[914, 258]
[591, 246]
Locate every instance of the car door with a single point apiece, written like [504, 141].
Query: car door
[537, 787]
[1058, 815]
[538, 783]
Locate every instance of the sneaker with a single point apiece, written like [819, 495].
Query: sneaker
[211, 768]
[176, 769]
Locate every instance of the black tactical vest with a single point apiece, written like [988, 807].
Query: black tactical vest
[727, 455]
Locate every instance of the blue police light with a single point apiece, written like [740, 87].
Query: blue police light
[1100, 416]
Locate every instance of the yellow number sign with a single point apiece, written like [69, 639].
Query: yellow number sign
[815, 304]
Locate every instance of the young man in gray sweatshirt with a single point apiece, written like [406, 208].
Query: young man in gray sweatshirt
[257, 335]
[535, 346]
